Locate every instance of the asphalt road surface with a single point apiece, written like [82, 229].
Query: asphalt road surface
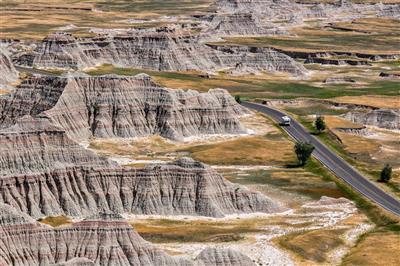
[332, 161]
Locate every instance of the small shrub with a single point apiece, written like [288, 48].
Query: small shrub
[303, 152]
[320, 124]
[238, 100]
[386, 174]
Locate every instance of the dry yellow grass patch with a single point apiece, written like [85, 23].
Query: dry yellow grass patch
[56, 221]
[384, 149]
[370, 100]
[312, 247]
[333, 122]
[358, 144]
[165, 231]
[378, 248]
[245, 151]
[315, 247]
[35, 19]
[300, 181]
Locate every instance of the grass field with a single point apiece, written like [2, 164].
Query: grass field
[293, 180]
[245, 151]
[377, 248]
[370, 100]
[165, 231]
[313, 246]
[374, 36]
[36, 19]
[263, 86]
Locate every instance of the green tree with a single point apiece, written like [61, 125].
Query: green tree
[303, 152]
[320, 124]
[386, 174]
[238, 100]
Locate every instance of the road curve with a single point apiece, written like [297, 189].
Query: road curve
[332, 161]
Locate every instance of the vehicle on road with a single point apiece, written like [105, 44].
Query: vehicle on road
[285, 121]
[333, 162]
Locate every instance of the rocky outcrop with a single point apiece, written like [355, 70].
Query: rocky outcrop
[84, 243]
[389, 75]
[10, 217]
[269, 58]
[43, 172]
[184, 187]
[390, 11]
[339, 80]
[339, 57]
[223, 257]
[116, 106]
[34, 145]
[236, 24]
[359, 131]
[384, 118]
[8, 73]
[91, 242]
[298, 10]
[76, 262]
[337, 62]
[162, 49]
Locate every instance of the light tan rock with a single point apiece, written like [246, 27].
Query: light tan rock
[118, 106]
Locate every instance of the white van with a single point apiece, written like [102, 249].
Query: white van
[285, 121]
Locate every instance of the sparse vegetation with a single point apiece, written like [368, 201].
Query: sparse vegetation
[320, 124]
[237, 99]
[166, 231]
[244, 151]
[56, 221]
[362, 36]
[364, 153]
[376, 248]
[312, 245]
[303, 152]
[386, 174]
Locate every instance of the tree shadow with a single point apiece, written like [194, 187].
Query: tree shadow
[293, 165]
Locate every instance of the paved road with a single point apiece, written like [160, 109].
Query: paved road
[333, 162]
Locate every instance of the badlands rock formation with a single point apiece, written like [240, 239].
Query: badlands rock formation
[116, 106]
[183, 187]
[236, 24]
[44, 173]
[296, 11]
[269, 58]
[225, 257]
[23, 241]
[35, 145]
[384, 118]
[8, 73]
[157, 49]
